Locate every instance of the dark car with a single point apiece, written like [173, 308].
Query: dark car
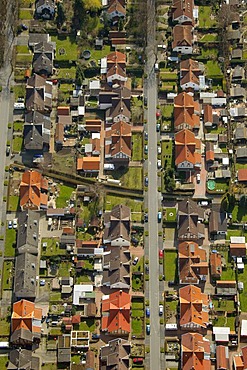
[148, 329]
[95, 336]
[24, 27]
[146, 181]
[158, 127]
[7, 150]
[171, 283]
[146, 136]
[147, 311]
[146, 217]
[147, 269]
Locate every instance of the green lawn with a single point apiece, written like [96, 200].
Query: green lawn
[228, 274]
[213, 69]
[221, 186]
[225, 321]
[7, 275]
[55, 297]
[66, 48]
[172, 306]
[137, 304]
[5, 331]
[4, 361]
[167, 154]
[137, 284]
[87, 325]
[168, 76]
[82, 279]
[17, 144]
[64, 196]
[210, 37]
[170, 260]
[171, 214]
[209, 53]
[243, 296]
[64, 269]
[205, 20]
[52, 248]
[137, 327]
[13, 202]
[67, 73]
[22, 49]
[139, 266]
[223, 305]
[239, 214]
[18, 126]
[134, 204]
[130, 177]
[98, 54]
[167, 111]
[24, 58]
[137, 146]
[25, 14]
[10, 242]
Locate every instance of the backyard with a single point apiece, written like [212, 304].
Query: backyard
[66, 48]
[239, 214]
[223, 305]
[206, 18]
[51, 247]
[225, 321]
[170, 264]
[64, 196]
[243, 295]
[130, 177]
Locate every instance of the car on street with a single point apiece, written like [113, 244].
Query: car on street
[159, 149]
[147, 311]
[158, 127]
[147, 269]
[159, 164]
[161, 309]
[159, 216]
[15, 223]
[137, 360]
[10, 225]
[148, 329]
[146, 136]
[136, 259]
[146, 217]
[145, 149]
[146, 181]
[161, 254]
[8, 150]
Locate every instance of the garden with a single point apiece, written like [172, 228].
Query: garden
[170, 266]
[64, 196]
[137, 146]
[10, 243]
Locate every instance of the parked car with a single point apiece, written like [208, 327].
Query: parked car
[147, 311]
[95, 336]
[158, 127]
[147, 269]
[159, 164]
[148, 329]
[161, 255]
[171, 283]
[146, 217]
[15, 223]
[146, 181]
[134, 240]
[7, 150]
[136, 259]
[159, 149]
[10, 225]
[137, 360]
[145, 149]
[146, 136]
[159, 216]
[161, 309]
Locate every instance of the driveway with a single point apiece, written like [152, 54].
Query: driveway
[200, 188]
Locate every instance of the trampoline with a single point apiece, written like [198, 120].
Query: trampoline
[211, 185]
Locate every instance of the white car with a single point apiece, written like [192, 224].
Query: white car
[15, 223]
[159, 149]
[161, 310]
[159, 163]
[136, 259]
[10, 225]
[198, 178]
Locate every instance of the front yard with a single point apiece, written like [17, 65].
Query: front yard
[137, 325]
[7, 275]
[167, 154]
[13, 203]
[134, 204]
[170, 263]
[130, 177]
[10, 243]
[137, 146]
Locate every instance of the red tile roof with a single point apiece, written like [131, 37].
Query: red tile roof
[222, 358]
[194, 348]
[31, 187]
[185, 146]
[216, 265]
[193, 307]
[182, 36]
[116, 313]
[242, 174]
[24, 315]
[182, 8]
[208, 113]
[88, 164]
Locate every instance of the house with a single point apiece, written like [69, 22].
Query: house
[38, 94]
[242, 175]
[215, 265]
[116, 313]
[94, 88]
[33, 191]
[195, 352]
[36, 138]
[28, 232]
[222, 358]
[187, 155]
[238, 74]
[194, 308]
[192, 263]
[43, 58]
[83, 294]
[26, 265]
[116, 265]
[116, 68]
[117, 226]
[112, 352]
[189, 74]
[119, 111]
[45, 8]
[116, 10]
[182, 39]
[190, 217]
[106, 97]
[118, 143]
[64, 349]
[238, 92]
[237, 246]
[186, 112]
[209, 152]
[182, 11]
[226, 288]
[25, 323]
[241, 154]
[217, 224]
[208, 115]
[88, 164]
[23, 359]
[240, 360]
[221, 334]
[36, 38]
[237, 53]
[240, 134]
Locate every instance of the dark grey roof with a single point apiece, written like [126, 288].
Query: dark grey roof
[38, 118]
[44, 47]
[64, 349]
[33, 138]
[42, 64]
[190, 207]
[38, 94]
[217, 222]
[22, 335]
[67, 239]
[237, 92]
[238, 72]
[36, 38]
[188, 215]
[240, 132]
[116, 272]
[111, 353]
[237, 53]
[25, 276]
[28, 232]
[241, 153]
[45, 2]
[117, 223]
[22, 359]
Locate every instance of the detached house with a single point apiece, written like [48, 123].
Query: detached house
[43, 58]
[182, 11]
[118, 143]
[36, 133]
[190, 217]
[45, 8]
[115, 355]
[217, 224]
[195, 352]
[192, 263]
[117, 226]
[38, 94]
[189, 74]
[116, 313]
[119, 111]
[194, 307]
[186, 112]
[182, 39]
[25, 323]
[33, 191]
[116, 10]
[187, 151]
